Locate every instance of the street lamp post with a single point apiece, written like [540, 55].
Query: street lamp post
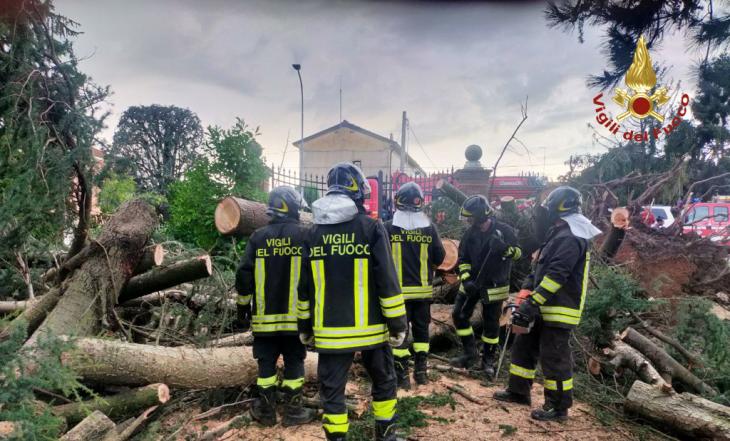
[298, 68]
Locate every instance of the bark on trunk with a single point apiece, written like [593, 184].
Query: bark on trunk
[167, 277]
[127, 429]
[612, 243]
[157, 299]
[116, 406]
[686, 413]
[442, 334]
[242, 339]
[7, 306]
[450, 191]
[92, 290]
[33, 315]
[92, 428]
[115, 362]
[664, 363]
[153, 256]
[241, 217]
[623, 356]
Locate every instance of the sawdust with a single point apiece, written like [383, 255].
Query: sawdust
[468, 421]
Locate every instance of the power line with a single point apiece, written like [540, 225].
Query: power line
[410, 127]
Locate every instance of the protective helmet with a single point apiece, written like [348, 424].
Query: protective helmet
[346, 178]
[285, 202]
[562, 201]
[409, 197]
[477, 207]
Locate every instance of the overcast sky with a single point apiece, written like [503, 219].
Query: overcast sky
[459, 70]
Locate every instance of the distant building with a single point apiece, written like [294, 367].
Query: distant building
[346, 142]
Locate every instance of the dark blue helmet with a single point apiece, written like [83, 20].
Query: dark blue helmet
[409, 197]
[477, 207]
[285, 202]
[346, 178]
[562, 201]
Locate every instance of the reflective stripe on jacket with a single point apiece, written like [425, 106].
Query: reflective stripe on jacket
[415, 254]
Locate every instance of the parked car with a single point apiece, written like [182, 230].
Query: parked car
[709, 219]
[664, 212]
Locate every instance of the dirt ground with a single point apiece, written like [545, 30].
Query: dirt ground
[468, 421]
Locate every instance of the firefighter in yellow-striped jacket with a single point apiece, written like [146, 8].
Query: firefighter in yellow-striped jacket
[486, 253]
[351, 301]
[417, 250]
[267, 282]
[558, 285]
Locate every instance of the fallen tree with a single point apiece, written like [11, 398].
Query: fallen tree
[622, 356]
[92, 428]
[686, 413]
[241, 217]
[166, 277]
[33, 315]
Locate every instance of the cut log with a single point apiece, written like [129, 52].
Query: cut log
[153, 256]
[92, 289]
[157, 298]
[214, 434]
[166, 277]
[127, 429]
[33, 316]
[450, 191]
[616, 233]
[452, 254]
[8, 306]
[114, 362]
[7, 428]
[92, 428]
[241, 217]
[442, 334]
[623, 356]
[242, 339]
[689, 356]
[686, 413]
[120, 405]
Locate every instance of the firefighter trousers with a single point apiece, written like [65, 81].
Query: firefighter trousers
[551, 346]
[266, 351]
[333, 370]
[464, 308]
[419, 317]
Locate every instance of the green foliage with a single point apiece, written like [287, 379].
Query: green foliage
[17, 402]
[311, 194]
[606, 307]
[115, 191]
[445, 215]
[704, 333]
[192, 206]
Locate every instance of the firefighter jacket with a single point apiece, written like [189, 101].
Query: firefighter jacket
[474, 249]
[350, 299]
[559, 280]
[415, 254]
[268, 276]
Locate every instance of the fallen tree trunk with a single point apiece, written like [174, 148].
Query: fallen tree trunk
[664, 363]
[166, 277]
[441, 330]
[450, 191]
[115, 362]
[686, 413]
[623, 356]
[33, 316]
[156, 298]
[116, 406]
[241, 217]
[242, 339]
[92, 428]
[153, 256]
[93, 288]
[689, 356]
[7, 306]
[127, 429]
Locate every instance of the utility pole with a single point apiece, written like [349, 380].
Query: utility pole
[298, 67]
[340, 101]
[403, 153]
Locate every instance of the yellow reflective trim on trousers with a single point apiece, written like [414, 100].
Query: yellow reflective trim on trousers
[550, 285]
[464, 332]
[272, 318]
[557, 318]
[294, 384]
[521, 372]
[266, 382]
[294, 273]
[273, 327]
[561, 310]
[361, 292]
[398, 261]
[335, 423]
[260, 280]
[384, 410]
[537, 297]
[243, 300]
[499, 293]
[490, 341]
[319, 287]
[344, 343]
[401, 353]
[421, 347]
[424, 264]
[553, 384]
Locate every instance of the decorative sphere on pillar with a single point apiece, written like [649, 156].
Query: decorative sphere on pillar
[473, 154]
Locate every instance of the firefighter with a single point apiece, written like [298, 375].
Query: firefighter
[417, 250]
[351, 301]
[486, 253]
[267, 282]
[553, 297]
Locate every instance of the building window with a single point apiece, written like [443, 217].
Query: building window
[358, 163]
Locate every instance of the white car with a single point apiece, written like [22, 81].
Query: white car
[663, 211]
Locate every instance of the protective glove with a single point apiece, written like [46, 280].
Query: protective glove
[497, 245]
[397, 339]
[521, 296]
[306, 338]
[529, 309]
[470, 288]
[242, 322]
[513, 252]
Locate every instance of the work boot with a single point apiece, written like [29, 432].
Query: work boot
[387, 431]
[420, 373]
[401, 373]
[263, 409]
[550, 414]
[335, 436]
[469, 357]
[511, 397]
[488, 359]
[295, 413]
